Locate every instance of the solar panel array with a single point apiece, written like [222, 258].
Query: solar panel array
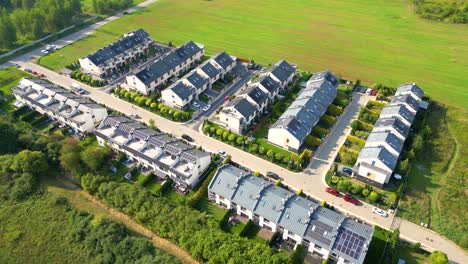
[349, 243]
[188, 157]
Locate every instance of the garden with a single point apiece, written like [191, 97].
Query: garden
[151, 104]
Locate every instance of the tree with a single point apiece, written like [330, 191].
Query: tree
[8, 137]
[27, 161]
[256, 173]
[151, 124]
[270, 153]
[177, 115]
[117, 90]
[323, 203]
[261, 150]
[219, 131]
[356, 189]
[253, 148]
[142, 101]
[418, 142]
[206, 128]
[232, 137]
[153, 105]
[95, 158]
[438, 257]
[239, 140]
[70, 156]
[225, 135]
[365, 192]
[403, 165]
[91, 182]
[373, 196]
[344, 185]
[278, 156]
[7, 31]
[312, 141]
[148, 102]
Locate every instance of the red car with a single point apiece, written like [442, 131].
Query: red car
[332, 191]
[351, 199]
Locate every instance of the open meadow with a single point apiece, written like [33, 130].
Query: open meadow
[375, 41]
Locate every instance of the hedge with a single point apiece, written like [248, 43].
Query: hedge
[246, 228]
[320, 131]
[356, 140]
[29, 116]
[202, 192]
[145, 180]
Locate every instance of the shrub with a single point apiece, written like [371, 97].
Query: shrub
[344, 185]
[334, 110]
[335, 179]
[239, 140]
[438, 257]
[278, 156]
[323, 203]
[232, 137]
[270, 153]
[253, 148]
[206, 128]
[117, 90]
[356, 189]
[278, 183]
[320, 131]
[299, 192]
[219, 131]
[212, 130]
[313, 141]
[365, 192]
[261, 150]
[225, 135]
[373, 196]
[256, 173]
[328, 120]
[153, 105]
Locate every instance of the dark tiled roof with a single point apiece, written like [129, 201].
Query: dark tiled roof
[210, 70]
[196, 79]
[325, 75]
[410, 87]
[282, 70]
[182, 90]
[223, 59]
[293, 126]
[408, 99]
[257, 95]
[393, 122]
[129, 41]
[269, 83]
[243, 106]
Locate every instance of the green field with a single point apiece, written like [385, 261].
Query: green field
[436, 189]
[375, 41]
[9, 78]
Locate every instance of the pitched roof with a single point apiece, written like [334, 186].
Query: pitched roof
[271, 202]
[303, 115]
[325, 75]
[323, 227]
[410, 87]
[244, 107]
[210, 70]
[408, 99]
[223, 59]
[293, 126]
[353, 241]
[282, 70]
[395, 142]
[392, 122]
[257, 95]
[297, 213]
[249, 191]
[269, 83]
[181, 90]
[379, 153]
[398, 110]
[127, 42]
[196, 79]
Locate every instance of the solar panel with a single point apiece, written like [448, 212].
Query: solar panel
[349, 243]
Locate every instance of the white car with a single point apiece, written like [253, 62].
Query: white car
[369, 91]
[222, 153]
[196, 104]
[206, 107]
[397, 176]
[379, 211]
[44, 51]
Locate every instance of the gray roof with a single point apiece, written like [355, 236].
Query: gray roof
[395, 142]
[381, 154]
[325, 75]
[282, 70]
[223, 59]
[249, 191]
[244, 107]
[269, 83]
[296, 214]
[257, 95]
[196, 79]
[395, 110]
[307, 118]
[210, 70]
[324, 87]
[410, 87]
[127, 42]
[353, 241]
[293, 126]
[168, 62]
[393, 122]
[408, 99]
[182, 90]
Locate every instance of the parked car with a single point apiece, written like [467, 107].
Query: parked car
[347, 170]
[34, 72]
[332, 191]
[222, 153]
[28, 70]
[197, 105]
[44, 51]
[374, 92]
[187, 137]
[369, 91]
[206, 107]
[135, 116]
[226, 98]
[397, 176]
[349, 198]
[41, 75]
[272, 175]
[379, 211]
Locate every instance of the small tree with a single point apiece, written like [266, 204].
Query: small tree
[253, 148]
[278, 156]
[256, 173]
[438, 257]
[365, 192]
[117, 90]
[148, 102]
[261, 150]
[270, 153]
[219, 132]
[151, 123]
[232, 137]
[212, 130]
[299, 192]
[177, 115]
[323, 203]
[373, 196]
[239, 140]
[356, 189]
[225, 135]
[206, 128]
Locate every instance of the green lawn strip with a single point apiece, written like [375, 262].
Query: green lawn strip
[408, 39]
[211, 209]
[407, 252]
[153, 186]
[376, 246]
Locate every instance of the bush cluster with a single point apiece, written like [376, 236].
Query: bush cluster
[86, 78]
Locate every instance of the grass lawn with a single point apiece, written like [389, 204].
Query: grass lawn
[174, 197]
[376, 247]
[436, 189]
[236, 228]
[388, 43]
[153, 186]
[211, 209]
[9, 78]
[411, 256]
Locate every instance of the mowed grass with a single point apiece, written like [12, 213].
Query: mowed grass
[436, 191]
[375, 41]
[9, 78]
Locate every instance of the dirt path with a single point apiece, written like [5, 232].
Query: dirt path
[86, 201]
[157, 241]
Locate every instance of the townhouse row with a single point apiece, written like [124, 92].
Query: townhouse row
[156, 151]
[291, 129]
[180, 94]
[379, 157]
[323, 232]
[171, 64]
[238, 114]
[109, 59]
[70, 109]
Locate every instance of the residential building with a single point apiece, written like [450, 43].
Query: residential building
[79, 113]
[171, 64]
[164, 155]
[269, 86]
[225, 62]
[178, 95]
[256, 97]
[107, 60]
[291, 129]
[283, 73]
[378, 159]
[237, 115]
[412, 89]
[322, 231]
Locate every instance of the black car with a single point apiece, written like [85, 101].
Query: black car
[272, 175]
[187, 137]
[347, 170]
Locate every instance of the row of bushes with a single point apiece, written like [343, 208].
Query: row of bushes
[327, 120]
[152, 105]
[347, 156]
[312, 141]
[202, 191]
[293, 161]
[86, 78]
[334, 110]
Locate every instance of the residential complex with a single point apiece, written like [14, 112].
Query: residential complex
[291, 129]
[180, 94]
[164, 155]
[172, 64]
[322, 231]
[379, 157]
[238, 114]
[79, 113]
[110, 58]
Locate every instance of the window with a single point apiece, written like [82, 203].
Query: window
[373, 163]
